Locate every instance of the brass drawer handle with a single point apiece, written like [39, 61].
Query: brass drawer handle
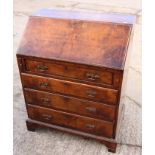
[44, 100]
[44, 84]
[90, 126]
[91, 93]
[42, 68]
[91, 109]
[47, 117]
[92, 76]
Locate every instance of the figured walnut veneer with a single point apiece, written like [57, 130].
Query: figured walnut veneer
[71, 66]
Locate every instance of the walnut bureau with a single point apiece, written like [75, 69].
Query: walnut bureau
[71, 67]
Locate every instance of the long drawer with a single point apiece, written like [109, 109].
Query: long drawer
[70, 88]
[86, 124]
[70, 104]
[74, 71]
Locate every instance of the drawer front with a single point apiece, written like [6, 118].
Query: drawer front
[69, 71]
[70, 88]
[70, 104]
[89, 125]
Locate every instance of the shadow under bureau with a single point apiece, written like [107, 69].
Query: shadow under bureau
[71, 67]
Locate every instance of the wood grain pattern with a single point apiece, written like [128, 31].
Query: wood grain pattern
[68, 70]
[70, 104]
[90, 125]
[71, 70]
[70, 88]
[101, 44]
[105, 75]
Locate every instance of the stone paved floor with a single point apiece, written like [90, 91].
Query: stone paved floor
[44, 142]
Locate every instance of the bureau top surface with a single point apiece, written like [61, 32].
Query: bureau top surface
[88, 38]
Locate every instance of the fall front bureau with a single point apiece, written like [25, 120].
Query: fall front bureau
[71, 67]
